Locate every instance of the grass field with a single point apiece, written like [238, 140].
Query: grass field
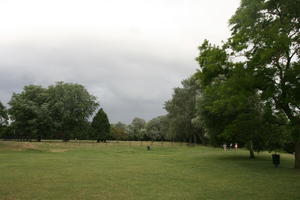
[77, 170]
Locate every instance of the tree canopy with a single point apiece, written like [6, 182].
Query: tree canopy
[182, 113]
[70, 105]
[3, 118]
[57, 111]
[137, 129]
[252, 81]
[3, 115]
[29, 111]
[266, 34]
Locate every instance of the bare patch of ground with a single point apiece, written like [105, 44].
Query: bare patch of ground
[58, 150]
[18, 146]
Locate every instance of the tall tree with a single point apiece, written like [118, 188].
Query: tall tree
[101, 126]
[182, 110]
[266, 34]
[70, 105]
[230, 106]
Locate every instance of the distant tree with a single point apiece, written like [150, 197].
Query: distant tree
[156, 128]
[3, 115]
[120, 125]
[3, 119]
[182, 111]
[70, 105]
[137, 129]
[119, 131]
[29, 113]
[59, 111]
[101, 126]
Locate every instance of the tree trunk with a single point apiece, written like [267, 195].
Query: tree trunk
[297, 155]
[251, 150]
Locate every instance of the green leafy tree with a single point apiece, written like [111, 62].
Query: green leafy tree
[70, 106]
[231, 106]
[266, 35]
[157, 128]
[3, 119]
[29, 113]
[101, 126]
[119, 131]
[3, 115]
[182, 111]
[83, 131]
[137, 129]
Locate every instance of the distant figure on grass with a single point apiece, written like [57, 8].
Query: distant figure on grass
[225, 147]
[236, 146]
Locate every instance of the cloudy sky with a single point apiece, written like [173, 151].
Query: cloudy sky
[128, 53]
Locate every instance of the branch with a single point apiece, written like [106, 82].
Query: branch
[290, 57]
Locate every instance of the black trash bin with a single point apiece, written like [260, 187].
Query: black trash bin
[276, 159]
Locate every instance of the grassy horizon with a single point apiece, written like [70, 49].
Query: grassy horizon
[78, 170]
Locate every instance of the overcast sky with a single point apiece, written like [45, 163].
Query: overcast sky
[128, 53]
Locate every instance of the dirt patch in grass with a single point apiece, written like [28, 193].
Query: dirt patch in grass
[28, 145]
[17, 146]
[31, 146]
[58, 150]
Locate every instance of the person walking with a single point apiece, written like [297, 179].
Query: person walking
[236, 146]
[225, 147]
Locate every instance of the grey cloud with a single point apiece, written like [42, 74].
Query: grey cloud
[128, 80]
[130, 54]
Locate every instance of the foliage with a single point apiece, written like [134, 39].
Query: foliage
[266, 34]
[3, 119]
[59, 111]
[137, 129]
[182, 113]
[70, 105]
[157, 128]
[269, 41]
[119, 131]
[101, 126]
[3, 115]
[29, 111]
[231, 106]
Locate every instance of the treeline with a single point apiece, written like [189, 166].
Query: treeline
[67, 111]
[140, 130]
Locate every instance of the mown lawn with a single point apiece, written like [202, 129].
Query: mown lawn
[56, 170]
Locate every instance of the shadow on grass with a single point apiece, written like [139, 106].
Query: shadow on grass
[241, 158]
[261, 161]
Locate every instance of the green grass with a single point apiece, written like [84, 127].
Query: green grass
[76, 170]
